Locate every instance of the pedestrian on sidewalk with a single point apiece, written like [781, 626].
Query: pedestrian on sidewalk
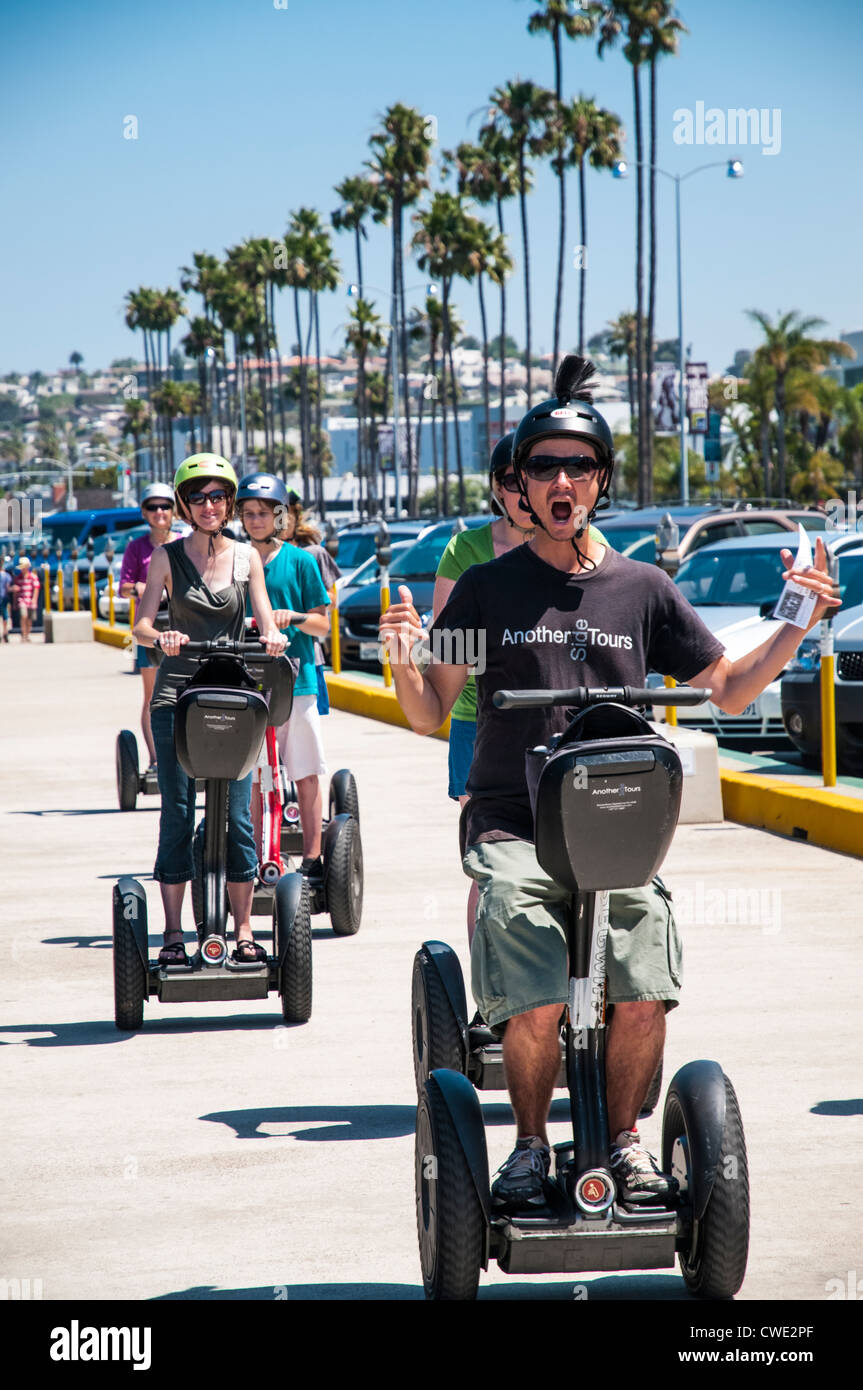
[26, 587]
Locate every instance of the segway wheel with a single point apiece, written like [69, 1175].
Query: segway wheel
[198, 882]
[343, 876]
[343, 795]
[294, 925]
[450, 1223]
[437, 1039]
[127, 770]
[130, 979]
[714, 1264]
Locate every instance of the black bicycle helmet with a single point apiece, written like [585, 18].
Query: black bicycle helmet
[263, 487]
[569, 413]
[500, 461]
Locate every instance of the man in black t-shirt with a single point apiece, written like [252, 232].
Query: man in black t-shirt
[562, 611]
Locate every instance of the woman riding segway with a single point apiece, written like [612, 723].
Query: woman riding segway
[294, 586]
[207, 578]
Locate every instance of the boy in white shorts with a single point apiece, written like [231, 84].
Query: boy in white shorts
[294, 586]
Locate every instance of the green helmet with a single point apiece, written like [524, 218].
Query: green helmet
[199, 468]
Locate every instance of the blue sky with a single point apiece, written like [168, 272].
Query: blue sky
[246, 111]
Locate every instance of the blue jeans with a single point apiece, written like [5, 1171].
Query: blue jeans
[177, 821]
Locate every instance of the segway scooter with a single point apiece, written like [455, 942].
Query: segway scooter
[605, 798]
[220, 722]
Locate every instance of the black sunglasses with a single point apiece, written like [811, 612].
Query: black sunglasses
[158, 506]
[197, 499]
[544, 468]
[508, 481]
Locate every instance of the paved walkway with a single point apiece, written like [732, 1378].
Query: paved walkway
[216, 1154]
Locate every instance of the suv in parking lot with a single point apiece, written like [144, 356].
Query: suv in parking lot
[634, 533]
[357, 542]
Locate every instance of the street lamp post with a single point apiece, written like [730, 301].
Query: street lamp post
[734, 168]
[353, 293]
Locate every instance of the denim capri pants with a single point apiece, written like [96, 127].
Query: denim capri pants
[177, 822]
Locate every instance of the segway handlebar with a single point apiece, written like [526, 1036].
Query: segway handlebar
[586, 695]
[222, 647]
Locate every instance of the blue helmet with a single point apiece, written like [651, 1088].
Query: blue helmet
[263, 487]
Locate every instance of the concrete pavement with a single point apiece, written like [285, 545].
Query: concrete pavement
[216, 1154]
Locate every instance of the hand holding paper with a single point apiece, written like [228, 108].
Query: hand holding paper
[808, 591]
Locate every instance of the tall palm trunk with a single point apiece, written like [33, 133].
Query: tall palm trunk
[279, 391]
[502, 332]
[319, 422]
[304, 443]
[523, 205]
[780, 434]
[403, 342]
[444, 352]
[582, 279]
[485, 390]
[432, 361]
[458, 456]
[651, 280]
[643, 494]
[558, 301]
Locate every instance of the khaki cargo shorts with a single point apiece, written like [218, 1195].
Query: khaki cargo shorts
[518, 958]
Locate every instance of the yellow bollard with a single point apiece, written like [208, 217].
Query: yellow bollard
[60, 608]
[92, 596]
[828, 704]
[385, 603]
[110, 599]
[670, 710]
[131, 612]
[335, 639]
[76, 597]
[46, 587]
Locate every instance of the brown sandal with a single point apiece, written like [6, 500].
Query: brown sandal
[243, 948]
[174, 952]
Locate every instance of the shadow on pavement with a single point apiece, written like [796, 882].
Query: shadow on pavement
[664, 1288]
[77, 811]
[101, 943]
[345, 1121]
[837, 1107]
[104, 1031]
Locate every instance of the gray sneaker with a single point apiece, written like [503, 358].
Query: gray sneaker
[636, 1171]
[520, 1185]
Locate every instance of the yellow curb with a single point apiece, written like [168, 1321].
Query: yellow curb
[111, 636]
[358, 697]
[814, 814]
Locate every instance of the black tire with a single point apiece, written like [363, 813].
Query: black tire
[343, 875]
[295, 971]
[437, 1039]
[344, 799]
[450, 1224]
[714, 1264]
[651, 1100]
[127, 770]
[130, 978]
[198, 882]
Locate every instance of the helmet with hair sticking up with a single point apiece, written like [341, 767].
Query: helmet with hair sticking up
[569, 414]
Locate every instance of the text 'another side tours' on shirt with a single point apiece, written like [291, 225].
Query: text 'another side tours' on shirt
[536, 627]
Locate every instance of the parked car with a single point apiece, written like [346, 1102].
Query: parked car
[79, 527]
[357, 542]
[103, 602]
[733, 586]
[369, 572]
[634, 533]
[801, 679]
[416, 566]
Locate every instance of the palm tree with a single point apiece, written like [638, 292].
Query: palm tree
[364, 334]
[202, 337]
[439, 243]
[400, 160]
[75, 359]
[635, 15]
[485, 254]
[621, 343]
[519, 110]
[207, 277]
[850, 412]
[136, 421]
[558, 19]
[488, 173]
[361, 198]
[789, 346]
[663, 37]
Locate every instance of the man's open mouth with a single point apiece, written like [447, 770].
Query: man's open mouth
[561, 510]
